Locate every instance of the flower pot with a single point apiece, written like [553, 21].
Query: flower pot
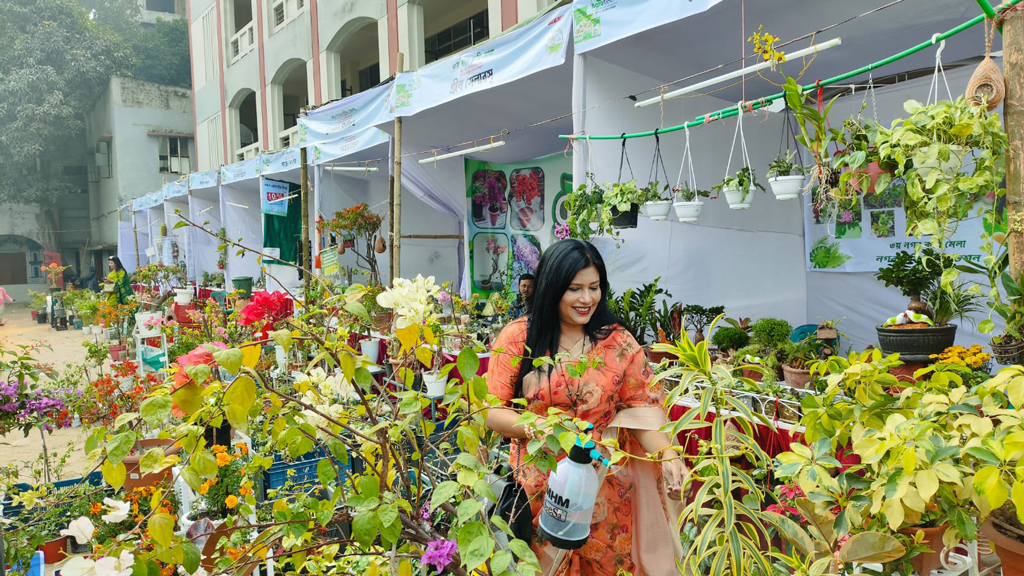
[78, 324]
[687, 211]
[493, 212]
[796, 377]
[370, 349]
[434, 384]
[873, 171]
[41, 317]
[118, 352]
[382, 322]
[183, 296]
[925, 562]
[525, 214]
[141, 320]
[244, 285]
[915, 344]
[625, 219]
[659, 209]
[55, 550]
[657, 357]
[1009, 550]
[485, 284]
[736, 200]
[135, 478]
[786, 187]
[752, 374]
[1007, 354]
[34, 314]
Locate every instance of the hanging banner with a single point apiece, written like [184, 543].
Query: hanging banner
[346, 116]
[197, 180]
[274, 196]
[328, 151]
[512, 213]
[867, 235]
[329, 263]
[176, 189]
[245, 170]
[600, 22]
[536, 46]
[283, 161]
[148, 201]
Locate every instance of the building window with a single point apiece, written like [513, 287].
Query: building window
[174, 155]
[369, 77]
[462, 35]
[165, 6]
[103, 162]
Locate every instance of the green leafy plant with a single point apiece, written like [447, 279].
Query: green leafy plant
[685, 193]
[637, 308]
[697, 318]
[827, 254]
[585, 206]
[654, 192]
[729, 338]
[784, 166]
[744, 181]
[957, 301]
[770, 333]
[915, 274]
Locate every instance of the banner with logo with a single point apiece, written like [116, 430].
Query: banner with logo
[328, 151]
[536, 46]
[245, 170]
[176, 189]
[148, 201]
[346, 116]
[600, 22]
[198, 180]
[866, 235]
[512, 213]
[283, 161]
[274, 196]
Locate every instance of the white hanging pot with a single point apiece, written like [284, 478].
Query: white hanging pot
[687, 211]
[786, 187]
[434, 384]
[183, 296]
[657, 210]
[736, 200]
[370, 349]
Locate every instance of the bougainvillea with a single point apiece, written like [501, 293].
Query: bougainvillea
[526, 187]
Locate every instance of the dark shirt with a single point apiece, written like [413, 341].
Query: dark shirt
[519, 308]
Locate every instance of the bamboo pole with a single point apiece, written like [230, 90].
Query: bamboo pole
[1013, 118]
[135, 232]
[434, 236]
[396, 241]
[307, 263]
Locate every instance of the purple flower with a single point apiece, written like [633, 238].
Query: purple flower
[425, 512]
[526, 253]
[846, 217]
[562, 231]
[444, 297]
[439, 553]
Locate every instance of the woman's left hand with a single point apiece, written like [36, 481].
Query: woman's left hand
[675, 473]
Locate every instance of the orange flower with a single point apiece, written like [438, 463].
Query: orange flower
[223, 459]
[96, 508]
[244, 491]
[162, 510]
[205, 487]
[231, 501]
[234, 553]
[242, 448]
[218, 449]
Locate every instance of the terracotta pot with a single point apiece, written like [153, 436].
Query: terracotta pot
[55, 550]
[382, 322]
[752, 374]
[525, 215]
[873, 171]
[657, 357]
[796, 377]
[925, 562]
[209, 552]
[118, 352]
[493, 212]
[135, 478]
[1009, 550]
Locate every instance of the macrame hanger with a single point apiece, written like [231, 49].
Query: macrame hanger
[658, 160]
[624, 160]
[933, 90]
[687, 163]
[743, 143]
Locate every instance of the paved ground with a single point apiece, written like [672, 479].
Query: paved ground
[65, 348]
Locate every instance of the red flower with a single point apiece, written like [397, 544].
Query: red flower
[269, 306]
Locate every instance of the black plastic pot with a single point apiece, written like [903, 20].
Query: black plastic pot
[625, 219]
[916, 344]
[41, 317]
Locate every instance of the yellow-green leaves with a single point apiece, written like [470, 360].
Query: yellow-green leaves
[114, 474]
[189, 398]
[161, 529]
[238, 399]
[989, 484]
[230, 360]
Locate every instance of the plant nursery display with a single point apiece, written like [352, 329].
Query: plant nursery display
[358, 222]
[739, 189]
[785, 178]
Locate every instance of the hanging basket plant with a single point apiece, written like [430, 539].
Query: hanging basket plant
[739, 189]
[686, 197]
[785, 178]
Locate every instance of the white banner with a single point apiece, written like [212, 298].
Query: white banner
[283, 161]
[359, 111]
[351, 144]
[148, 201]
[600, 22]
[536, 46]
[245, 170]
[176, 189]
[197, 180]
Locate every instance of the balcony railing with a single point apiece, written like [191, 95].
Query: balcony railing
[286, 138]
[250, 151]
[242, 42]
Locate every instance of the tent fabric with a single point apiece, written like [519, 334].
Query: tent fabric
[204, 253]
[599, 22]
[126, 246]
[346, 145]
[285, 232]
[346, 116]
[199, 180]
[239, 171]
[240, 213]
[283, 161]
[175, 189]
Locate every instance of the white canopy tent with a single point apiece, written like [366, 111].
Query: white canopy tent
[204, 210]
[240, 214]
[175, 202]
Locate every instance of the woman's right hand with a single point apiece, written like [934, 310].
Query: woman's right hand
[675, 473]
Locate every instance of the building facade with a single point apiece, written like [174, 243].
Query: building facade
[257, 63]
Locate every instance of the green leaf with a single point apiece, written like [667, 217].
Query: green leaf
[326, 473]
[523, 551]
[369, 487]
[230, 360]
[189, 398]
[238, 399]
[365, 527]
[467, 363]
[205, 464]
[156, 411]
[190, 556]
[356, 307]
[152, 460]
[989, 483]
[469, 508]
[114, 474]
[871, 547]
[283, 337]
[475, 545]
[986, 326]
[364, 379]
[338, 450]
[502, 559]
[161, 528]
[191, 477]
[119, 446]
[483, 489]
[443, 493]
[388, 514]
[199, 373]
[124, 419]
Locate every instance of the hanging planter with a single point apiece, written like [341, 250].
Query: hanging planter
[686, 197]
[1007, 354]
[786, 187]
[737, 199]
[658, 210]
[687, 211]
[739, 189]
[627, 219]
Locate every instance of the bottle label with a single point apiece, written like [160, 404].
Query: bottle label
[556, 506]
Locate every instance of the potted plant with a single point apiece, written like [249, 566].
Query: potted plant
[864, 170]
[115, 318]
[738, 189]
[785, 178]
[915, 275]
[667, 324]
[729, 339]
[697, 318]
[622, 203]
[585, 207]
[686, 203]
[656, 205]
[796, 357]
[38, 306]
[759, 360]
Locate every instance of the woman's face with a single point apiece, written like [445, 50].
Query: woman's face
[580, 300]
[110, 265]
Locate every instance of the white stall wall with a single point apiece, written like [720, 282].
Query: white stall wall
[240, 206]
[751, 260]
[154, 227]
[858, 298]
[204, 253]
[437, 258]
[181, 235]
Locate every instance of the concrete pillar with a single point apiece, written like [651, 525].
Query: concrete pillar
[275, 114]
[529, 8]
[494, 17]
[383, 47]
[411, 36]
[260, 121]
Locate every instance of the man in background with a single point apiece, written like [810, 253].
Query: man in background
[521, 307]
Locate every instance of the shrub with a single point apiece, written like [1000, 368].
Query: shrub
[770, 333]
[730, 338]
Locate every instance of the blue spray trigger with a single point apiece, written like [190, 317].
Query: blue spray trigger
[598, 457]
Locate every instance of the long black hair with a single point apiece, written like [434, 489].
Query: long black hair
[558, 266]
[117, 263]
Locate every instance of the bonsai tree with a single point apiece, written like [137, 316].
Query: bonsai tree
[769, 335]
[697, 318]
[915, 275]
[728, 339]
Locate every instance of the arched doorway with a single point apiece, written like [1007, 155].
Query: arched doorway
[353, 59]
[244, 126]
[290, 92]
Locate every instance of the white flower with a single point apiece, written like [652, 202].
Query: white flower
[81, 530]
[118, 511]
[200, 571]
[79, 566]
[412, 300]
[120, 566]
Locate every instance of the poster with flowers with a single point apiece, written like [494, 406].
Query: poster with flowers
[512, 217]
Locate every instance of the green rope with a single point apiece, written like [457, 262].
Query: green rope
[762, 102]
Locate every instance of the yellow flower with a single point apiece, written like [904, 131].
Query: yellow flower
[204, 488]
[223, 459]
[242, 448]
[218, 449]
[231, 501]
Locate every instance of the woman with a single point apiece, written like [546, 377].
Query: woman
[118, 276]
[570, 316]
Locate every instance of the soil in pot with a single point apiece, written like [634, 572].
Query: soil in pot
[796, 377]
[1007, 539]
[925, 562]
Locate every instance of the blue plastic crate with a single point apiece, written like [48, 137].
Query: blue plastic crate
[278, 475]
[14, 512]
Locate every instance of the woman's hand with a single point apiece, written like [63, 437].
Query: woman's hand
[675, 473]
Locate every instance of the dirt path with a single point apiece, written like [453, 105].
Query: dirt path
[64, 349]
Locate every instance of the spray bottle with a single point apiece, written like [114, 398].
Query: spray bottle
[569, 500]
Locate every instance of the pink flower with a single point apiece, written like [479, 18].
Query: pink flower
[439, 553]
[846, 217]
